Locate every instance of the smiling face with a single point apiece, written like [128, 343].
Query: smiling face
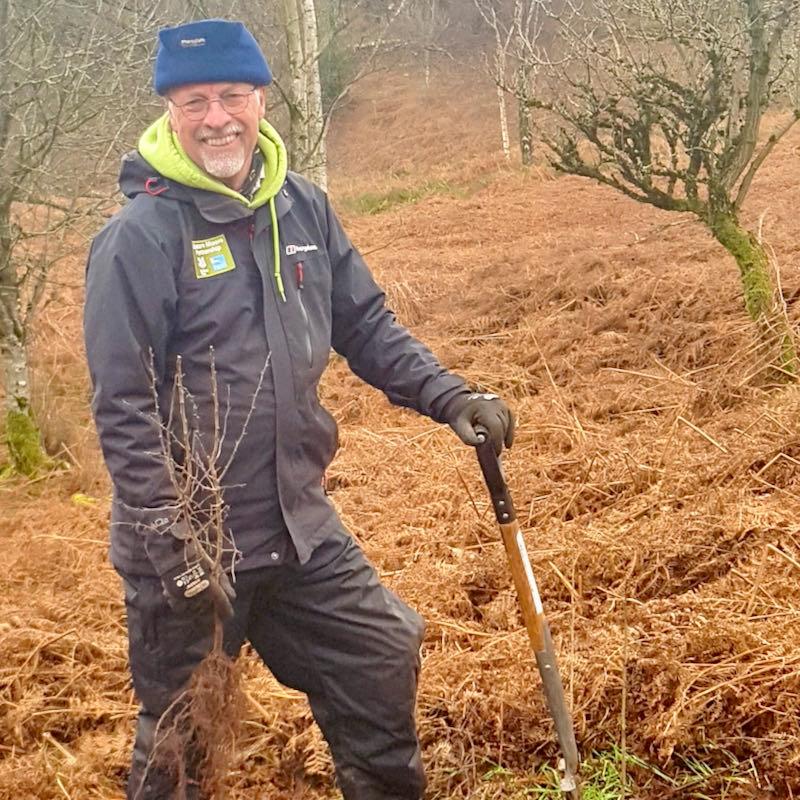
[220, 142]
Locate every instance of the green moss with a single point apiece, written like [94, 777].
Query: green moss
[758, 289]
[753, 264]
[24, 444]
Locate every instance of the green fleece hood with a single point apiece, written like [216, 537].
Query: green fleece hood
[161, 149]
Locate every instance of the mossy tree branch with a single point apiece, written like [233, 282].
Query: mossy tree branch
[664, 102]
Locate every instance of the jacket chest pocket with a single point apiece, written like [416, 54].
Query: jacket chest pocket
[219, 290]
[310, 306]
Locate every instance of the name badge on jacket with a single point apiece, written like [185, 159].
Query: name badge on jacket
[212, 257]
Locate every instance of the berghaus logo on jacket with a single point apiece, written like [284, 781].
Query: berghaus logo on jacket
[293, 249]
[212, 256]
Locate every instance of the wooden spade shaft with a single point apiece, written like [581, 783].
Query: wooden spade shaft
[533, 616]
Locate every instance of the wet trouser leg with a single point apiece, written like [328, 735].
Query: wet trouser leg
[334, 632]
[164, 649]
[327, 628]
[159, 671]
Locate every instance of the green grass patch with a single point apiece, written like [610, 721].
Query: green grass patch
[378, 202]
[601, 779]
[714, 775]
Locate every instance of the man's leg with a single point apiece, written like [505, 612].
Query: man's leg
[330, 629]
[164, 650]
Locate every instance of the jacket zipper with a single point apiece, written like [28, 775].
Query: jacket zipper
[298, 273]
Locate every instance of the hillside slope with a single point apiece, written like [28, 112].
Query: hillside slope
[655, 478]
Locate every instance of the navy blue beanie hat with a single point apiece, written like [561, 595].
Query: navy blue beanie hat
[208, 51]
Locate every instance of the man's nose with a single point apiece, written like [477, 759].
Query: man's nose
[216, 116]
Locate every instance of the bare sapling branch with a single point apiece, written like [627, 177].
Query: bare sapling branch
[197, 734]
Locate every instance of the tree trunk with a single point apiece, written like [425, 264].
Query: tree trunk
[317, 159]
[499, 78]
[307, 151]
[21, 433]
[501, 104]
[525, 132]
[525, 116]
[297, 93]
[760, 296]
[427, 68]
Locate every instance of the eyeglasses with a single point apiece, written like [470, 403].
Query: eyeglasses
[197, 108]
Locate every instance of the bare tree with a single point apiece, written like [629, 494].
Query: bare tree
[301, 89]
[497, 66]
[65, 90]
[429, 19]
[518, 29]
[664, 100]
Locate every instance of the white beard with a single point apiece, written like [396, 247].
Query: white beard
[224, 165]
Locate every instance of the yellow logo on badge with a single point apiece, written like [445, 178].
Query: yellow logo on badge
[212, 257]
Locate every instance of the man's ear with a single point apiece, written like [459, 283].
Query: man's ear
[170, 113]
[262, 100]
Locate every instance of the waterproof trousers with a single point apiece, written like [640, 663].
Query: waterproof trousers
[327, 628]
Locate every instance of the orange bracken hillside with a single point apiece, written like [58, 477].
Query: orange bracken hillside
[655, 478]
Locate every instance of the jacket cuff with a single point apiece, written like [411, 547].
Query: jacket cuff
[146, 520]
[439, 406]
[164, 531]
[165, 552]
[170, 548]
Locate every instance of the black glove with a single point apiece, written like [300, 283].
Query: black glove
[189, 587]
[465, 411]
[189, 584]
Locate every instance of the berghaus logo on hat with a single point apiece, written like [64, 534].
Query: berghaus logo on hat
[197, 42]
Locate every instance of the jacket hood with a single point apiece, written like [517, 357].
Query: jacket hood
[161, 150]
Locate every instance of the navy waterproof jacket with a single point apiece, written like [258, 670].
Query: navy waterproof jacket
[187, 275]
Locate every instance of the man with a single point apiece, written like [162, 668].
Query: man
[224, 266]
